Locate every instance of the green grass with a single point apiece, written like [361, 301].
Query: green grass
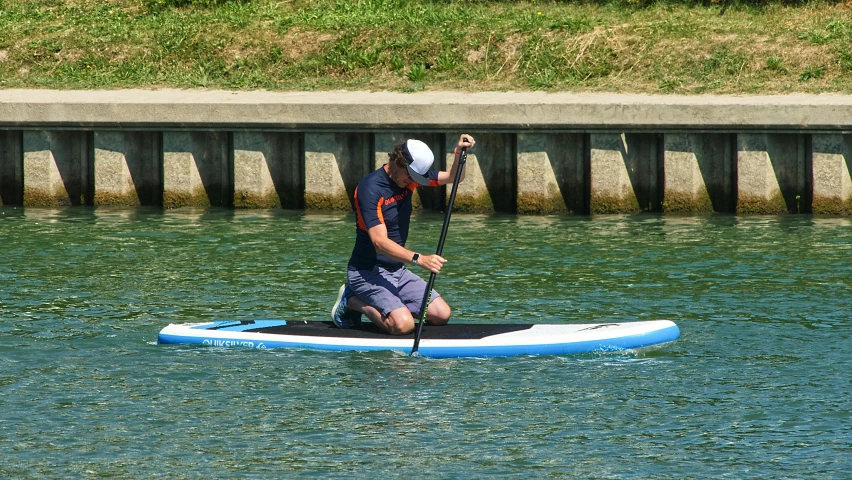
[639, 46]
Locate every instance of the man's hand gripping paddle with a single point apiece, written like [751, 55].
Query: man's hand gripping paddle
[425, 304]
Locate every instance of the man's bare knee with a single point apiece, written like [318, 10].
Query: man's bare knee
[398, 322]
[439, 312]
[400, 328]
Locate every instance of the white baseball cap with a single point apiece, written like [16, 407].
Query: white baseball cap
[419, 158]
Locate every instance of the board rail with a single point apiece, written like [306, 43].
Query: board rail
[448, 341]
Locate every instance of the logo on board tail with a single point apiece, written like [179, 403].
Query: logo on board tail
[595, 327]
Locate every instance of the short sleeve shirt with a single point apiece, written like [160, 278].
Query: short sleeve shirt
[378, 199]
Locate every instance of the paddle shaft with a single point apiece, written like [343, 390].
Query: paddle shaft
[459, 166]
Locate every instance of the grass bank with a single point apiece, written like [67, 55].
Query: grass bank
[618, 46]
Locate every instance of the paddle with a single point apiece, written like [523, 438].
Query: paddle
[425, 303]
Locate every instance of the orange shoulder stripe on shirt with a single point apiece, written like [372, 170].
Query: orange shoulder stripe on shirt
[379, 209]
[361, 223]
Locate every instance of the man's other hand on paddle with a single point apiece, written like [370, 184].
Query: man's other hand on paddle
[433, 263]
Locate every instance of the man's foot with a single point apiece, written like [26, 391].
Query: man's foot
[341, 315]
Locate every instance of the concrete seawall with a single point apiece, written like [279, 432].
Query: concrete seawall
[536, 153]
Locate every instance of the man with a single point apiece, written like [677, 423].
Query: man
[378, 283]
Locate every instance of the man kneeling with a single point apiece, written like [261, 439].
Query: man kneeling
[378, 283]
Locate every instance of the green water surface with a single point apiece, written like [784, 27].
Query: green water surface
[758, 386]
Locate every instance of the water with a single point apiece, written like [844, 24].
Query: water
[758, 386]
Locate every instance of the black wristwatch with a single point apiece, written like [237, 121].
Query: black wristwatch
[415, 258]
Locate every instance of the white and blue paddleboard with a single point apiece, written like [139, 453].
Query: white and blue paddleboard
[453, 340]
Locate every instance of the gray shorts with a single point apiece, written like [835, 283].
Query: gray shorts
[386, 290]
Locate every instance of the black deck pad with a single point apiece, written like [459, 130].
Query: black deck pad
[452, 331]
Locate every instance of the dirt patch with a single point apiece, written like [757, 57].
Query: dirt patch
[502, 56]
[724, 38]
[511, 51]
[69, 55]
[294, 45]
[478, 55]
[298, 44]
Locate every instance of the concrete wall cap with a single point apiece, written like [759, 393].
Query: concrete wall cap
[170, 108]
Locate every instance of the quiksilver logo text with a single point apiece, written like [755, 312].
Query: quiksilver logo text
[228, 343]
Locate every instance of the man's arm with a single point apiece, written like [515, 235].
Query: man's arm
[445, 177]
[394, 251]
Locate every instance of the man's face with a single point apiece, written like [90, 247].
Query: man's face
[400, 175]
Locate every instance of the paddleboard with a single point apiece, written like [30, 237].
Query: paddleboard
[452, 340]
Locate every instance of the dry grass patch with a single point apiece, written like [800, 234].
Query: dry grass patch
[298, 44]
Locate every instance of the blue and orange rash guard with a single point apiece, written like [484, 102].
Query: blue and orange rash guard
[379, 200]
